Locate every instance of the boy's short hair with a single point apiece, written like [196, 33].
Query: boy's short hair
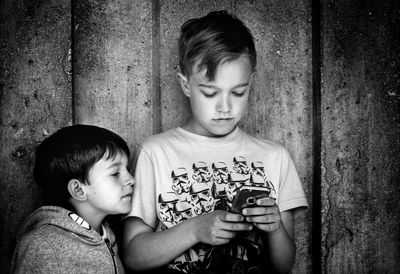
[70, 153]
[209, 41]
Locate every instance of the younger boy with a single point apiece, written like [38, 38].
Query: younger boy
[187, 177]
[83, 172]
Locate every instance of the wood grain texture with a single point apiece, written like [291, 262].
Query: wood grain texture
[361, 133]
[125, 64]
[35, 100]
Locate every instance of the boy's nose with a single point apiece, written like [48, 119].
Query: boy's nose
[130, 180]
[224, 104]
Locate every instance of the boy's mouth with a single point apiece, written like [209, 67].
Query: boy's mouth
[223, 119]
[129, 195]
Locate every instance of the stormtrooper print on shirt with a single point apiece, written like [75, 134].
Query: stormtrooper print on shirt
[207, 187]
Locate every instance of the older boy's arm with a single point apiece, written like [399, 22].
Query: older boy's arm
[145, 249]
[277, 233]
[279, 244]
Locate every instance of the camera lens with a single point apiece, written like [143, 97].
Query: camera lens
[251, 200]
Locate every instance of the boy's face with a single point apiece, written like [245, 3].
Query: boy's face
[218, 105]
[110, 186]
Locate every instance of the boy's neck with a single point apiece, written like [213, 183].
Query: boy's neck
[92, 217]
[191, 127]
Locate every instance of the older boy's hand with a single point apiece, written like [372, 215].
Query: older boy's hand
[265, 215]
[218, 227]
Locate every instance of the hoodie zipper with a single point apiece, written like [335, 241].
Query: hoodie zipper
[112, 253]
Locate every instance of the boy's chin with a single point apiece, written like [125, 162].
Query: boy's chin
[221, 132]
[122, 212]
[125, 209]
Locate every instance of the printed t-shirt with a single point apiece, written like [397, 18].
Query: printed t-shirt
[180, 175]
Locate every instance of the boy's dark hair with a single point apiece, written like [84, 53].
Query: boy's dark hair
[70, 153]
[207, 42]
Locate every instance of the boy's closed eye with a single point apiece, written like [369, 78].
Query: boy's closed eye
[208, 94]
[115, 171]
[212, 94]
[239, 93]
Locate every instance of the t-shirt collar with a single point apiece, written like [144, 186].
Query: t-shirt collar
[217, 140]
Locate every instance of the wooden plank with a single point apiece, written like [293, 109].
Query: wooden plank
[361, 133]
[35, 101]
[113, 72]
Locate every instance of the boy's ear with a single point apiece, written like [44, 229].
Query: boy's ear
[76, 190]
[184, 84]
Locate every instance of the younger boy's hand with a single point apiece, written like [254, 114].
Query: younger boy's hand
[218, 227]
[265, 215]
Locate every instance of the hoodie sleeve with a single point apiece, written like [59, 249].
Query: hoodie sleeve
[34, 254]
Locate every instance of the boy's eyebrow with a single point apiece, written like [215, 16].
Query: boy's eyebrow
[116, 164]
[215, 87]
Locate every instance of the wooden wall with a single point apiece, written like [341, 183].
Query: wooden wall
[35, 101]
[114, 63]
[360, 106]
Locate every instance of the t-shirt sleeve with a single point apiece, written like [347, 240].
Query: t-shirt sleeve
[291, 193]
[35, 255]
[143, 202]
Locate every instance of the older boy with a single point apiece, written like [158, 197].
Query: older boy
[83, 172]
[186, 175]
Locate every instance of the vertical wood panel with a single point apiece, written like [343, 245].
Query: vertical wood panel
[113, 66]
[35, 100]
[361, 133]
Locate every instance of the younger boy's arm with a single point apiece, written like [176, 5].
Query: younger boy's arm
[145, 249]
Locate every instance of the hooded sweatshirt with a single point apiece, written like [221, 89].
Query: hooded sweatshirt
[56, 240]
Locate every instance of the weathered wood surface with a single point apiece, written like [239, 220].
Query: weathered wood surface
[125, 64]
[35, 100]
[361, 136]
